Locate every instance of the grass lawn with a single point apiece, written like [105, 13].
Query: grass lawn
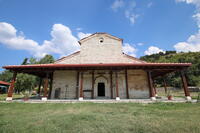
[3, 96]
[177, 93]
[100, 118]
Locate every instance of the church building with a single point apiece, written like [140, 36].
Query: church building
[100, 70]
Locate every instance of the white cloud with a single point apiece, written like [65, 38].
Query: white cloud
[195, 2]
[79, 29]
[130, 50]
[128, 9]
[129, 12]
[153, 50]
[197, 17]
[117, 4]
[191, 45]
[63, 41]
[149, 4]
[193, 42]
[82, 35]
[140, 44]
[131, 16]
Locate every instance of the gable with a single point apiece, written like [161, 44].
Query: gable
[93, 51]
[75, 58]
[97, 35]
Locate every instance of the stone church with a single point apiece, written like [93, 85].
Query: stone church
[100, 70]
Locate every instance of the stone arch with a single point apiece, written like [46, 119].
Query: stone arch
[102, 79]
[99, 76]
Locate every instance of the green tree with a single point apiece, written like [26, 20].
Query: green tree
[46, 60]
[26, 81]
[25, 61]
[171, 56]
[6, 76]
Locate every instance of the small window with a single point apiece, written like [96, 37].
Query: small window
[101, 40]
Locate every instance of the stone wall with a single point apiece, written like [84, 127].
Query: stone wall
[138, 84]
[66, 81]
[93, 51]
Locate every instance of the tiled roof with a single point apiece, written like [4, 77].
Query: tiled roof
[97, 65]
[4, 83]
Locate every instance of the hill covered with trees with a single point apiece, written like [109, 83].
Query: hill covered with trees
[193, 73]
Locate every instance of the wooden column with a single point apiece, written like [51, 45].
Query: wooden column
[165, 86]
[151, 91]
[116, 84]
[40, 84]
[81, 87]
[46, 82]
[11, 87]
[126, 78]
[111, 85]
[77, 84]
[92, 94]
[154, 88]
[185, 85]
[51, 85]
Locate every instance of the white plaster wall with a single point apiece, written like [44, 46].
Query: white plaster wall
[87, 84]
[138, 84]
[137, 81]
[122, 85]
[66, 80]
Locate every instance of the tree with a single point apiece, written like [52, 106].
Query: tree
[46, 60]
[25, 61]
[6, 76]
[171, 56]
[25, 81]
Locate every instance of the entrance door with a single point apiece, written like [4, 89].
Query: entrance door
[101, 89]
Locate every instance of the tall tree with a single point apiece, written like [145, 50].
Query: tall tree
[25, 61]
[46, 60]
[171, 56]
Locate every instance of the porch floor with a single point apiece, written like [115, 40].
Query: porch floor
[163, 99]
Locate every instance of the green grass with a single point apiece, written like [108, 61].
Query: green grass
[177, 93]
[100, 118]
[3, 96]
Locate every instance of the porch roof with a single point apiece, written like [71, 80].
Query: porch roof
[158, 69]
[4, 83]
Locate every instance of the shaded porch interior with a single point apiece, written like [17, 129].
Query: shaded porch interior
[46, 72]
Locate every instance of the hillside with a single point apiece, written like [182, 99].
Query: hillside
[193, 72]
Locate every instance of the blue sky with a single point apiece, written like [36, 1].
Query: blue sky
[38, 27]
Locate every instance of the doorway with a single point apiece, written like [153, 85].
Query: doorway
[101, 89]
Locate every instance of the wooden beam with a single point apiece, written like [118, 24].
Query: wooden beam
[126, 79]
[77, 84]
[40, 84]
[92, 94]
[51, 86]
[11, 87]
[154, 88]
[185, 84]
[46, 82]
[165, 86]
[81, 86]
[111, 85]
[116, 84]
[151, 92]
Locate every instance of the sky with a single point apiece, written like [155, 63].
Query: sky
[34, 28]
